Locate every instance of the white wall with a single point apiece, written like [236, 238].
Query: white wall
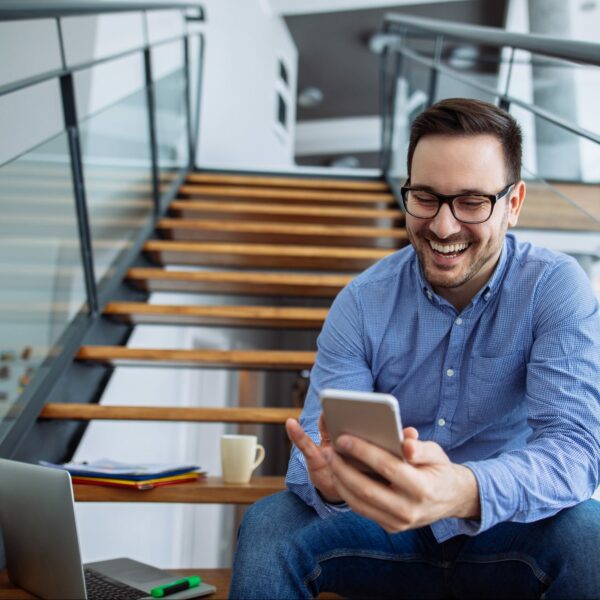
[585, 24]
[238, 116]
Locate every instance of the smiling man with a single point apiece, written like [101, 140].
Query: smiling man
[492, 348]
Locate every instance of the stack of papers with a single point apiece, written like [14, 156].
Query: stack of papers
[128, 475]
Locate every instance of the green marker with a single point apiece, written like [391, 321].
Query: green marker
[176, 586]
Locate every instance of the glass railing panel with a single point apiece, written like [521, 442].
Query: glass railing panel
[557, 154]
[196, 49]
[410, 100]
[559, 206]
[171, 127]
[565, 89]
[40, 263]
[116, 155]
[171, 118]
[564, 217]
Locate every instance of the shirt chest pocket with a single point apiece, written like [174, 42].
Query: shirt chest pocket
[495, 387]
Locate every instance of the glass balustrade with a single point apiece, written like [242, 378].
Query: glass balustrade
[40, 263]
[117, 168]
[561, 166]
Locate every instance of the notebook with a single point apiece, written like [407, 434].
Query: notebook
[37, 520]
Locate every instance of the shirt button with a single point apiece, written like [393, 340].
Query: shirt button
[441, 422]
[429, 295]
[459, 321]
[487, 296]
[450, 372]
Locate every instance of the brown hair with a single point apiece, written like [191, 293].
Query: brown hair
[466, 116]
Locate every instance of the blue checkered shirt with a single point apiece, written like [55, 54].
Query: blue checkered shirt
[509, 387]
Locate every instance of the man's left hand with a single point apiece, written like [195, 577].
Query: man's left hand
[422, 489]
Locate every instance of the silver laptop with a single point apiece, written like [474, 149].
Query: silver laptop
[37, 522]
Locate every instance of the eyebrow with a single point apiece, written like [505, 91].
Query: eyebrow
[428, 188]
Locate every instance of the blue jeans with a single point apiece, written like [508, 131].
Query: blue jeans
[286, 551]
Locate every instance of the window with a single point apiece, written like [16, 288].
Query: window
[283, 73]
[281, 110]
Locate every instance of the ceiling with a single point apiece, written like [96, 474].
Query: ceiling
[334, 55]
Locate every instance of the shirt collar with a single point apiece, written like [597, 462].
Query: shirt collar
[485, 293]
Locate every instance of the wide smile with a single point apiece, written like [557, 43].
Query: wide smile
[448, 253]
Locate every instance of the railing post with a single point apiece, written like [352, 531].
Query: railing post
[387, 94]
[433, 79]
[383, 109]
[503, 101]
[188, 107]
[83, 224]
[151, 101]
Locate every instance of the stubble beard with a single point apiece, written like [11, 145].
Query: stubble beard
[434, 274]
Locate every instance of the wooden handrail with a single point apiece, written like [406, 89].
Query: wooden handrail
[92, 412]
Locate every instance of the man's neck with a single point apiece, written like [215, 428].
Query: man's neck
[460, 296]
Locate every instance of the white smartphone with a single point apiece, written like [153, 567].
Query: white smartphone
[372, 416]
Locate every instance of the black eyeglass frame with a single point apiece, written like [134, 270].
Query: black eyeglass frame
[449, 200]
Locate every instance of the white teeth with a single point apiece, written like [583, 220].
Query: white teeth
[448, 248]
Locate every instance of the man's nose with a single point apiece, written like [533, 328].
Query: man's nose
[444, 224]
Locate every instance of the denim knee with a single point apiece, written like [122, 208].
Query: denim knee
[269, 563]
[568, 551]
[575, 534]
[275, 516]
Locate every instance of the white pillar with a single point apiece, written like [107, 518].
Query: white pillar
[554, 91]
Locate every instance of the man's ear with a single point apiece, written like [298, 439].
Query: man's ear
[515, 203]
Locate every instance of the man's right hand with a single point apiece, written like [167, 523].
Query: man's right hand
[318, 467]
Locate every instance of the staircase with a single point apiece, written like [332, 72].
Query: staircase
[263, 237]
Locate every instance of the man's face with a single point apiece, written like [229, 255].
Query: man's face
[457, 258]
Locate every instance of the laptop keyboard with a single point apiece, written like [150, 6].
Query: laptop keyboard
[100, 587]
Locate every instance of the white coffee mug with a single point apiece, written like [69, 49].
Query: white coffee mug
[240, 455]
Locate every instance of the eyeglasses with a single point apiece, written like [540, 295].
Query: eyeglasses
[466, 208]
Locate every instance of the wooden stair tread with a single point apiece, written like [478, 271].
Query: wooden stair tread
[282, 228]
[238, 282]
[335, 197]
[280, 233]
[284, 181]
[283, 211]
[263, 255]
[210, 490]
[201, 414]
[233, 359]
[256, 316]
[264, 249]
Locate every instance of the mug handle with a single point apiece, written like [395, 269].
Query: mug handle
[260, 451]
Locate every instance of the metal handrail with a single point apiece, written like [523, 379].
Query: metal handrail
[401, 27]
[577, 51]
[38, 9]
[87, 324]
[539, 112]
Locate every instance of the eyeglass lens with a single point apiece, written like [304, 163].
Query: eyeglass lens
[470, 209]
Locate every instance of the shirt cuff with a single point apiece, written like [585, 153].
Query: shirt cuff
[496, 496]
[310, 495]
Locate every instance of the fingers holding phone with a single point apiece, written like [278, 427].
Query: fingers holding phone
[316, 464]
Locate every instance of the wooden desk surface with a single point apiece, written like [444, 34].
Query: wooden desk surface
[217, 577]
